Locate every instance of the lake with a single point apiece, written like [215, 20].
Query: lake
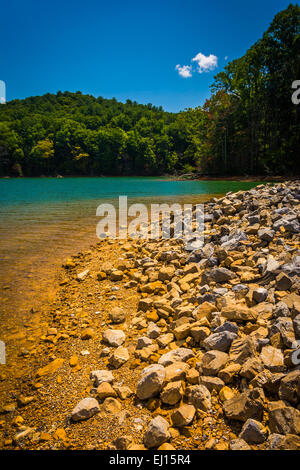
[45, 220]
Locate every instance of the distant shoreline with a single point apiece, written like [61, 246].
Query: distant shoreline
[173, 177]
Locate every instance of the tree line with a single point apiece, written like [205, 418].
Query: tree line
[249, 125]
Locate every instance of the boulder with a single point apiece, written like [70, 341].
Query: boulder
[151, 381]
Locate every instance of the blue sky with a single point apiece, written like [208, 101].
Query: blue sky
[126, 48]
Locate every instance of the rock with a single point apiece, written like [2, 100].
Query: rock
[157, 432]
[153, 331]
[284, 419]
[117, 315]
[284, 326]
[227, 326]
[271, 266]
[221, 275]
[211, 383]
[145, 304]
[268, 381]
[182, 331]
[213, 362]
[244, 406]
[176, 371]
[266, 234]
[172, 393]
[73, 362]
[199, 396]
[219, 341]
[281, 310]
[192, 376]
[228, 373]
[199, 333]
[177, 355]
[283, 282]
[87, 333]
[151, 381]
[238, 444]
[272, 359]
[204, 310]
[119, 357]
[239, 313]
[251, 368]
[114, 337]
[241, 349]
[289, 388]
[253, 432]
[226, 394]
[50, 368]
[116, 275]
[164, 340]
[85, 409]
[105, 390]
[143, 342]
[260, 294]
[166, 446]
[123, 391]
[123, 442]
[166, 273]
[296, 325]
[111, 406]
[275, 441]
[183, 416]
[81, 276]
[100, 376]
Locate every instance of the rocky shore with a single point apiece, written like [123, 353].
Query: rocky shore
[150, 346]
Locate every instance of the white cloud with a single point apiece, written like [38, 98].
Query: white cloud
[184, 71]
[205, 63]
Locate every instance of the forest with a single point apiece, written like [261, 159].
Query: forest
[248, 126]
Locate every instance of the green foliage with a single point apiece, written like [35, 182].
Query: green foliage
[249, 125]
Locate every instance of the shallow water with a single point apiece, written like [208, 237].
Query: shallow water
[45, 220]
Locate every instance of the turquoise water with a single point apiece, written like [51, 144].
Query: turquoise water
[14, 191]
[45, 220]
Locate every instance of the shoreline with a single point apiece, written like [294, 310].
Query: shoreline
[258, 178]
[233, 343]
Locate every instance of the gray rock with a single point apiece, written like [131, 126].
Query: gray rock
[221, 275]
[260, 294]
[100, 376]
[157, 432]
[151, 381]
[219, 341]
[177, 355]
[253, 432]
[227, 326]
[85, 409]
[266, 234]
